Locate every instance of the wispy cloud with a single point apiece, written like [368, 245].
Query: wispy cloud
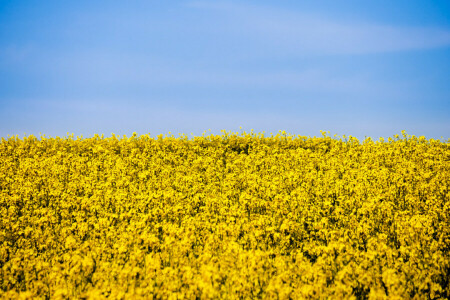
[309, 33]
[122, 73]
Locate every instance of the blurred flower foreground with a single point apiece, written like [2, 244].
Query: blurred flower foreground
[224, 216]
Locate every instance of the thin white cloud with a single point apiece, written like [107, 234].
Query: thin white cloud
[123, 71]
[306, 33]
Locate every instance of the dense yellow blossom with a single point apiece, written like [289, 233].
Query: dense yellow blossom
[224, 216]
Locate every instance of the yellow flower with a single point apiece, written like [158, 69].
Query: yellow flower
[235, 215]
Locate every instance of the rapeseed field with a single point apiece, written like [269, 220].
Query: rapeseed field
[229, 216]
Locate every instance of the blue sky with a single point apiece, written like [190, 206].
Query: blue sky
[361, 68]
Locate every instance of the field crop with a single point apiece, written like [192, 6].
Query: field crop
[224, 216]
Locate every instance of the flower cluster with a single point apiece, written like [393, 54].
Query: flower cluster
[224, 216]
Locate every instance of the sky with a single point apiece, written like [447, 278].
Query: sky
[360, 68]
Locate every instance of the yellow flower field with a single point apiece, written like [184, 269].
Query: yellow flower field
[224, 216]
